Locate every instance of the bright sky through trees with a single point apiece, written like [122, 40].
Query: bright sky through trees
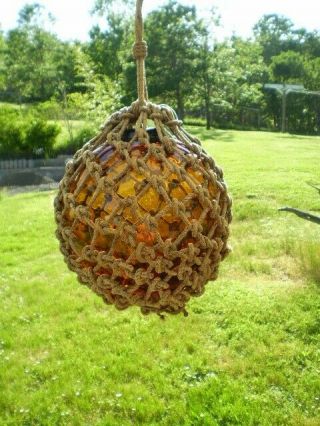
[73, 18]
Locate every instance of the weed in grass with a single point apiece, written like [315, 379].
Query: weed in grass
[310, 260]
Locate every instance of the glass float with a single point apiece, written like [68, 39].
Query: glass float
[143, 226]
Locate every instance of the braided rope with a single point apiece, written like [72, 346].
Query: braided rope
[140, 51]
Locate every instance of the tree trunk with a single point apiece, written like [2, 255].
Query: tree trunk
[318, 121]
[180, 104]
[208, 114]
[66, 115]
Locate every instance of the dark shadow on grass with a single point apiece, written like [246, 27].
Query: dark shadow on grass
[203, 134]
[299, 137]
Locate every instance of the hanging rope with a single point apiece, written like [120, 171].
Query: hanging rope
[140, 51]
[143, 222]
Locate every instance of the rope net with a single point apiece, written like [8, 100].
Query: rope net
[143, 213]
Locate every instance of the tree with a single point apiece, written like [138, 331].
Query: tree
[17, 65]
[288, 67]
[312, 82]
[31, 63]
[31, 14]
[35, 60]
[237, 75]
[173, 34]
[303, 110]
[249, 70]
[312, 73]
[105, 47]
[290, 54]
[97, 95]
[277, 34]
[2, 62]
[103, 7]
[274, 33]
[311, 45]
[205, 69]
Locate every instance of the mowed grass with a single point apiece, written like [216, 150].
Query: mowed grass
[249, 352]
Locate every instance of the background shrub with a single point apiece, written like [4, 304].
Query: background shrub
[12, 132]
[83, 135]
[40, 137]
[48, 110]
[24, 134]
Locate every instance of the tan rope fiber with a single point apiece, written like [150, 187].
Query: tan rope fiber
[140, 51]
[143, 215]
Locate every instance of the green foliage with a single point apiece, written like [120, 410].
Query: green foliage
[2, 62]
[35, 60]
[12, 133]
[79, 138]
[194, 121]
[30, 13]
[275, 34]
[312, 70]
[105, 47]
[49, 110]
[288, 67]
[40, 137]
[84, 135]
[172, 32]
[98, 95]
[23, 134]
[186, 67]
[102, 7]
[241, 72]
[249, 350]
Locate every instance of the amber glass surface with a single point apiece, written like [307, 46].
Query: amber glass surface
[104, 206]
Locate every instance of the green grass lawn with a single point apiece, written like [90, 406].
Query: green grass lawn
[249, 352]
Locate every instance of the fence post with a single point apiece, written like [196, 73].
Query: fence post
[30, 163]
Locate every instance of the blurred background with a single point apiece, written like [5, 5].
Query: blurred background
[64, 67]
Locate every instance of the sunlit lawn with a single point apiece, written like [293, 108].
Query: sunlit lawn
[249, 352]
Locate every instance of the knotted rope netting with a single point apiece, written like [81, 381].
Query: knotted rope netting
[143, 214]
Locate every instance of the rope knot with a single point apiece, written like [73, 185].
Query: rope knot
[140, 49]
[168, 144]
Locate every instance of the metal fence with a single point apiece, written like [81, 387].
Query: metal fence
[32, 163]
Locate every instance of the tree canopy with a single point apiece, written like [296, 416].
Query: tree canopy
[186, 67]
